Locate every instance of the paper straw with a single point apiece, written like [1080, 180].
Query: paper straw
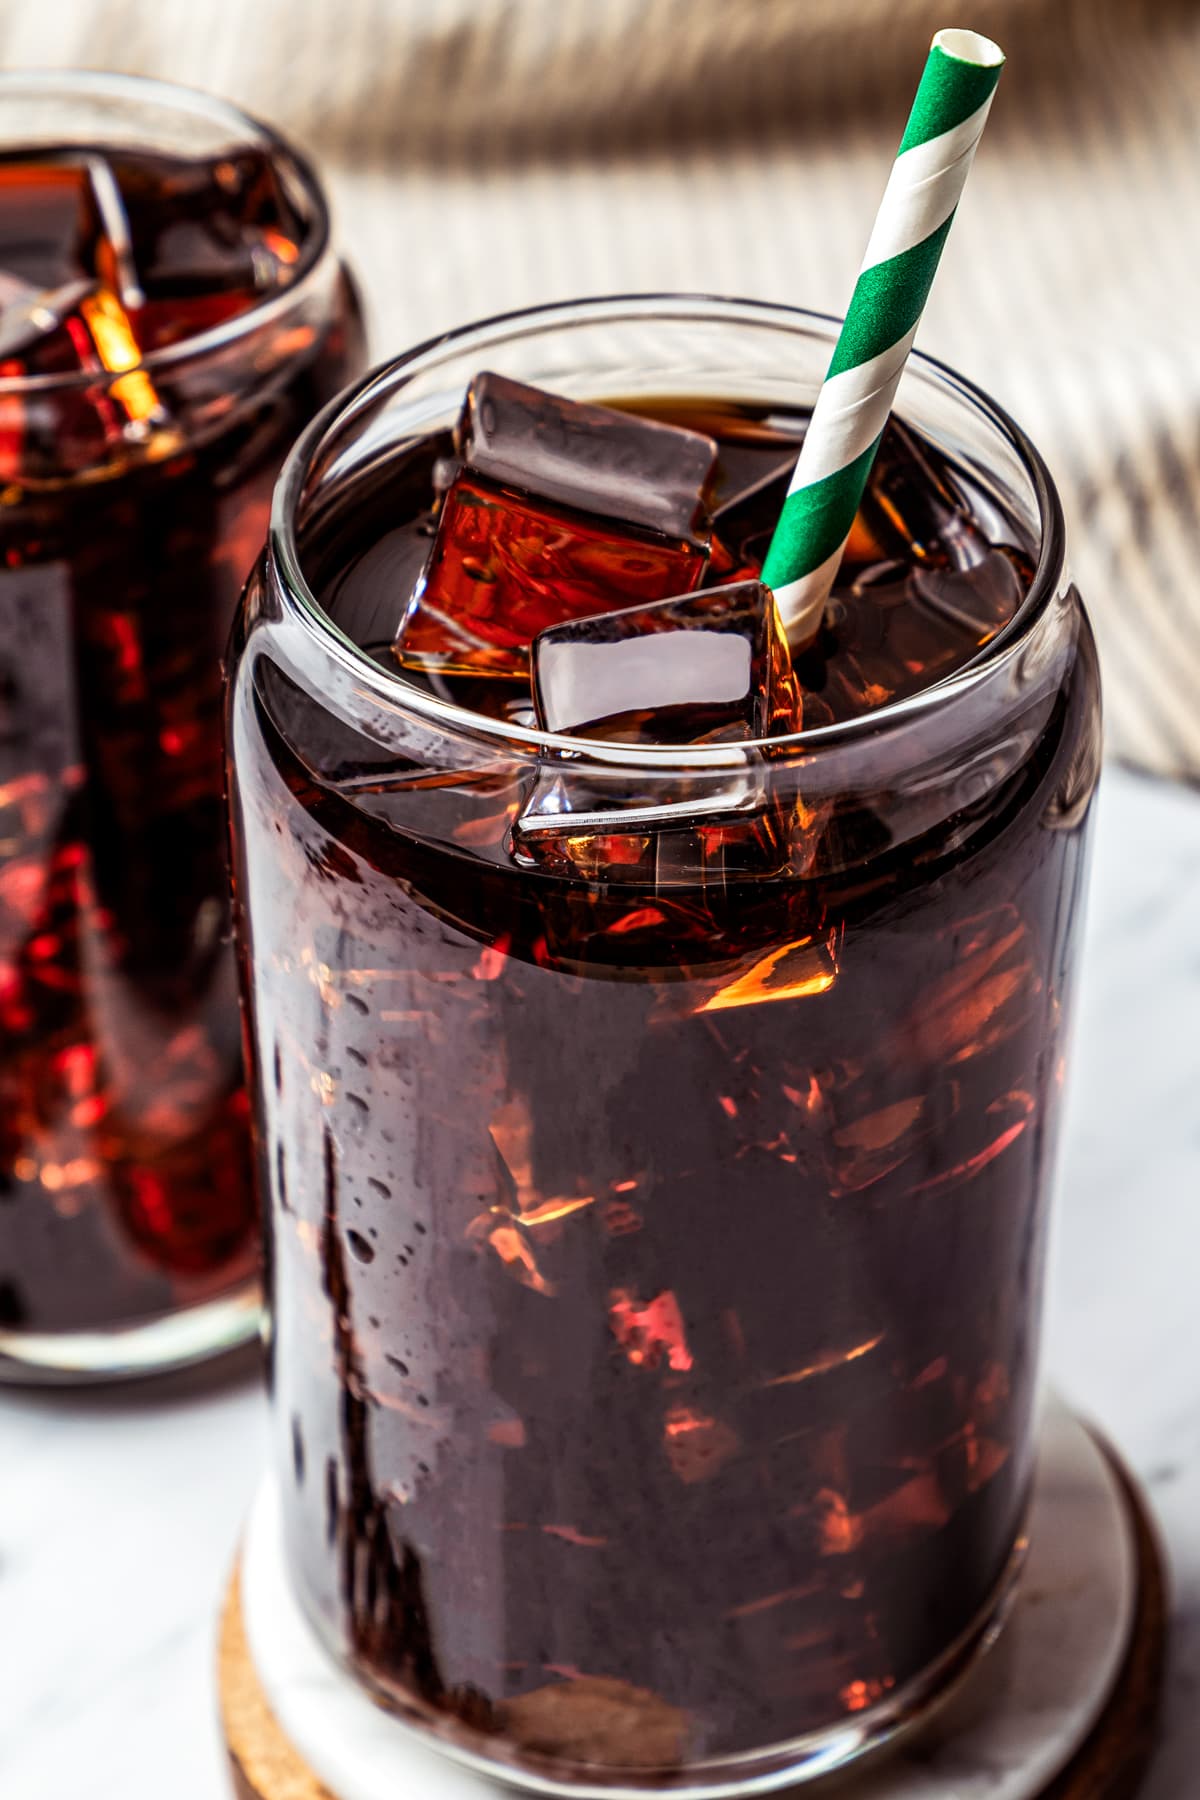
[936, 151]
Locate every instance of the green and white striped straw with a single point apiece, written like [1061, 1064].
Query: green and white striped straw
[936, 151]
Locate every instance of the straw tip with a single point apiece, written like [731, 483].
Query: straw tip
[969, 47]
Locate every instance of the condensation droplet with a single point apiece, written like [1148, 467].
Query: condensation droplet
[359, 1247]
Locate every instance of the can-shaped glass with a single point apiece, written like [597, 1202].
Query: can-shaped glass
[656, 1210]
[174, 314]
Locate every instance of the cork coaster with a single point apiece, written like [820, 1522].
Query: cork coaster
[262, 1760]
[1108, 1765]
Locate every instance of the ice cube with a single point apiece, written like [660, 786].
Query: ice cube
[15, 295]
[707, 668]
[893, 631]
[112, 253]
[63, 219]
[48, 217]
[558, 511]
[70, 285]
[752, 471]
[751, 487]
[204, 228]
[609, 821]
[41, 333]
[77, 329]
[913, 509]
[976, 602]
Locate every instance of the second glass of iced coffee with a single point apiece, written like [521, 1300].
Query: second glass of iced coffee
[172, 311]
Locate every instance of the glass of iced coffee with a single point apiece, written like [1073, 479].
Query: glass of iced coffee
[657, 1041]
[171, 313]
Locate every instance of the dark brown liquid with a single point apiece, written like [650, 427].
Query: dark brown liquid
[126, 531]
[672, 1219]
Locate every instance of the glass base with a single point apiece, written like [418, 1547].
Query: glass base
[764, 1771]
[1064, 1703]
[150, 1347]
[362, 1746]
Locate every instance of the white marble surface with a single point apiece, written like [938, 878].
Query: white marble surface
[119, 1514]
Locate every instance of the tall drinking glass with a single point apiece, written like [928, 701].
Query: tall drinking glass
[657, 1141]
[173, 312]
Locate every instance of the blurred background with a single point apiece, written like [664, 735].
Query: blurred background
[484, 154]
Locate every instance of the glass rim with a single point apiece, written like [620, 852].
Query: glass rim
[393, 693]
[181, 98]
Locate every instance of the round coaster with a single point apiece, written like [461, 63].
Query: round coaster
[1062, 1708]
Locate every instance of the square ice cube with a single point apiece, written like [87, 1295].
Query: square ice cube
[913, 509]
[48, 220]
[49, 333]
[209, 237]
[706, 668]
[79, 328]
[63, 219]
[558, 511]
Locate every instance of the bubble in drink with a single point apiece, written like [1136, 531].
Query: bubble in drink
[558, 511]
